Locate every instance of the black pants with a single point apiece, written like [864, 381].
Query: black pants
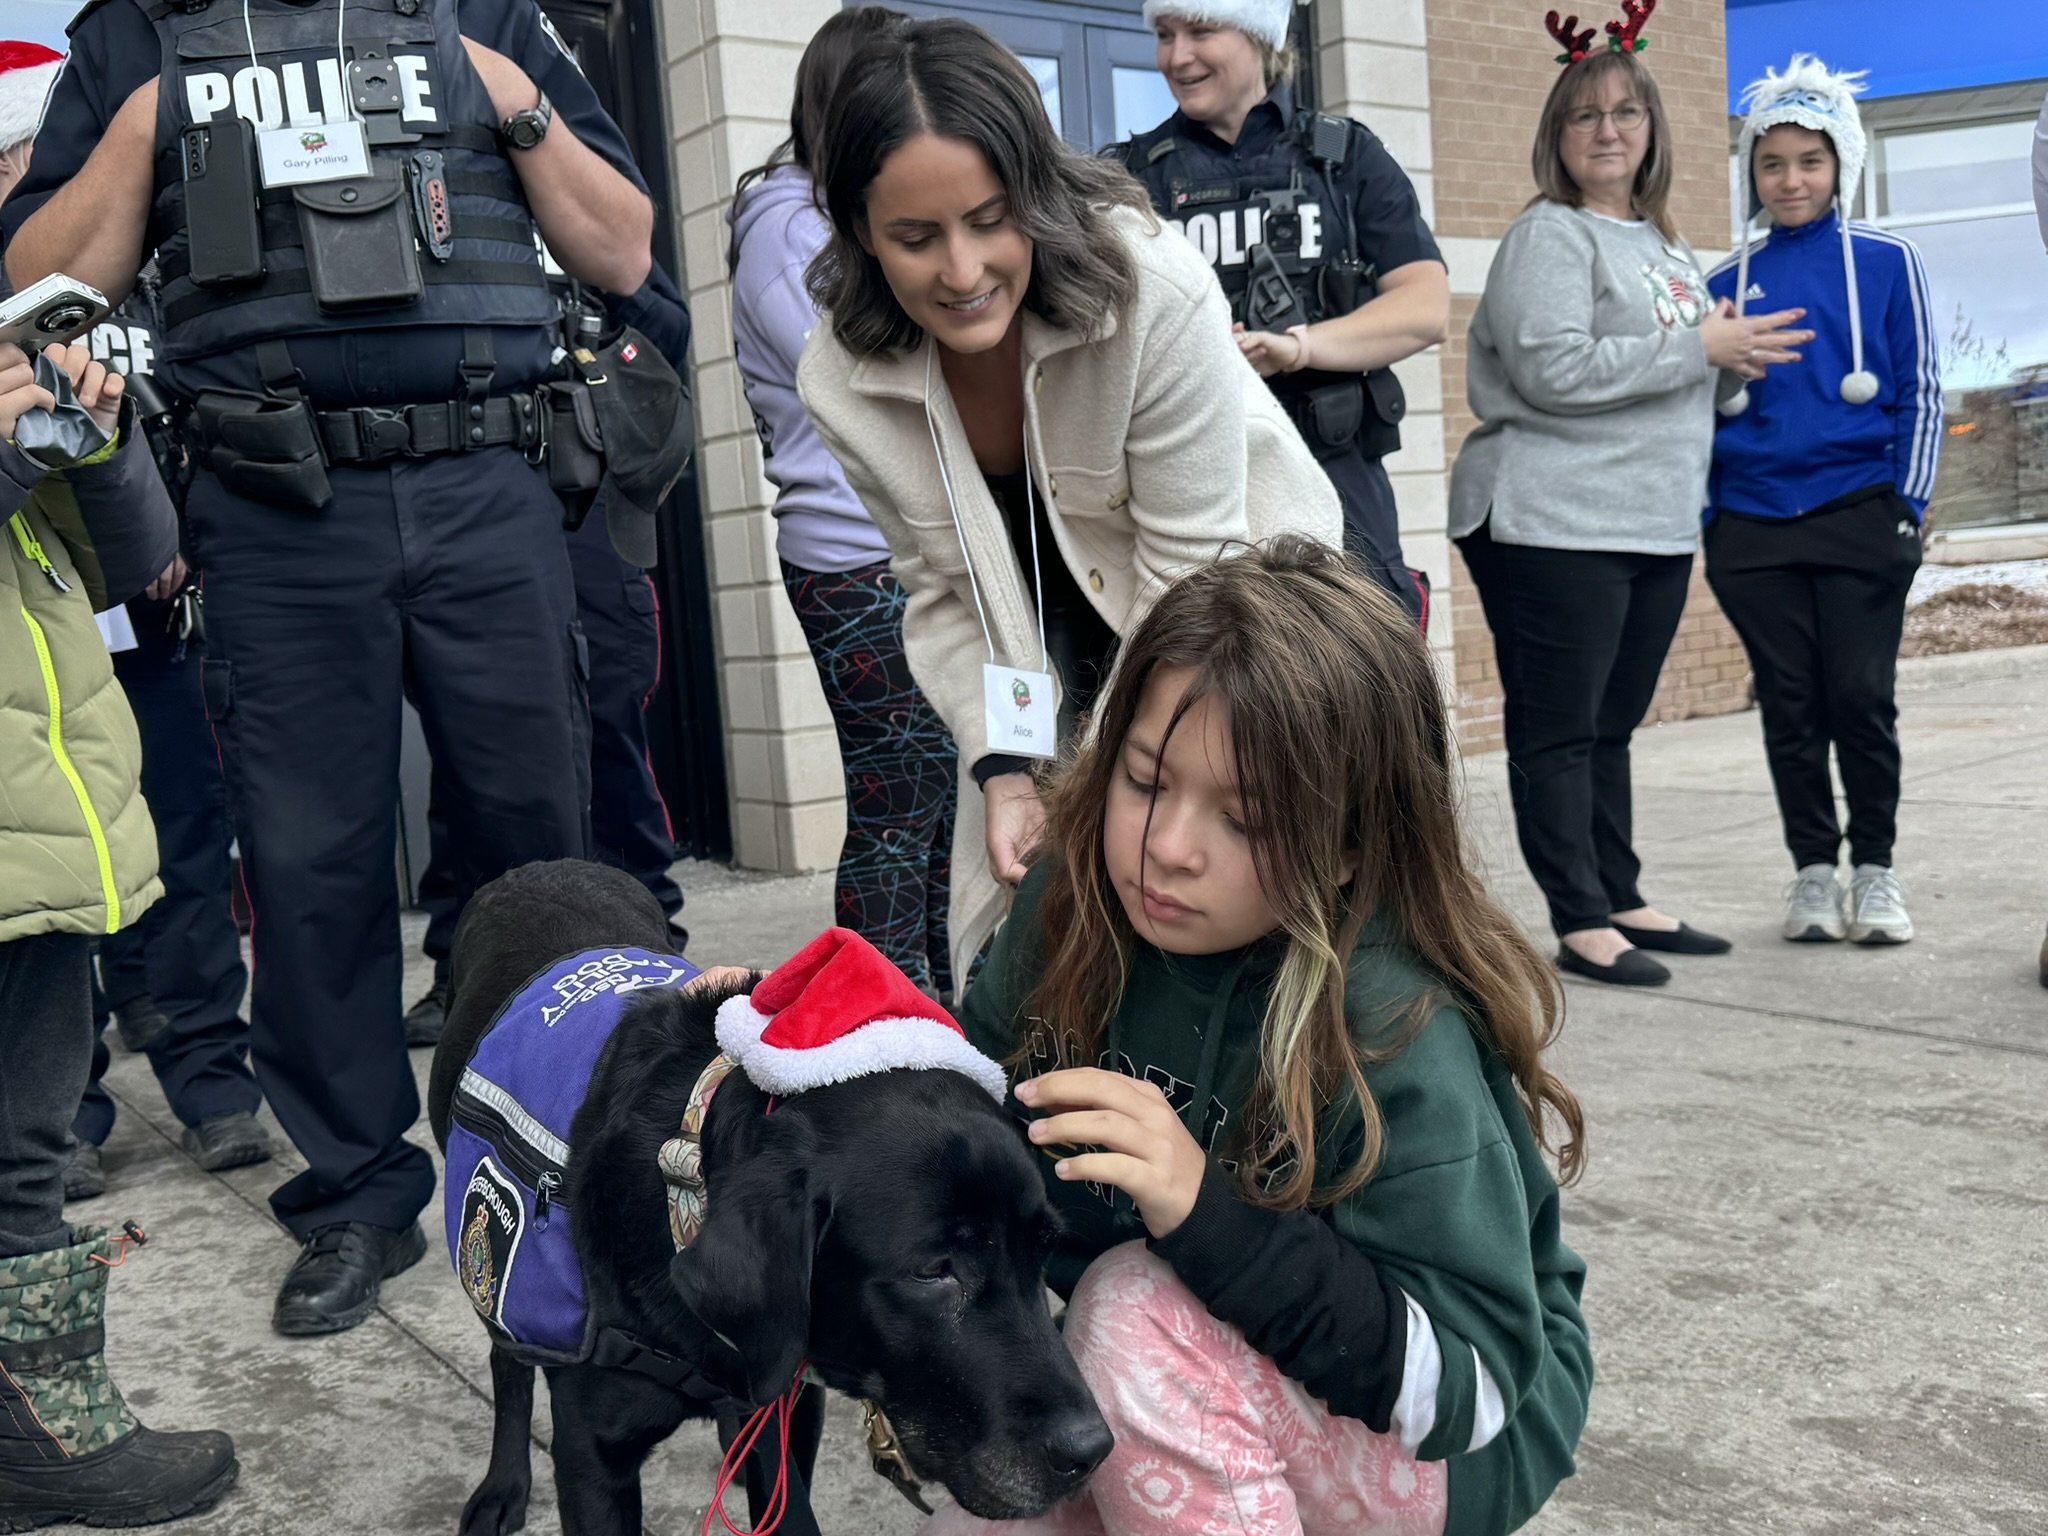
[902, 776]
[183, 953]
[1580, 637]
[629, 825]
[1372, 528]
[1820, 604]
[444, 579]
[45, 1046]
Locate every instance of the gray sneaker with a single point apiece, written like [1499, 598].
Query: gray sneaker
[1813, 906]
[1877, 907]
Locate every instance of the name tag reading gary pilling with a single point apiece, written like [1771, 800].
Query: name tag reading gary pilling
[319, 152]
[1018, 706]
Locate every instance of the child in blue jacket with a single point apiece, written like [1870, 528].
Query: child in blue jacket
[1820, 479]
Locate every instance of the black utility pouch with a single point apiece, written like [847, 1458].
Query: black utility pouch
[263, 448]
[575, 448]
[1389, 404]
[358, 234]
[1334, 415]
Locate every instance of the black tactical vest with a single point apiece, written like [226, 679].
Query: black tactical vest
[414, 88]
[1290, 201]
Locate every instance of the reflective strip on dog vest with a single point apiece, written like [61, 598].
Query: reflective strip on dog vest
[509, 1152]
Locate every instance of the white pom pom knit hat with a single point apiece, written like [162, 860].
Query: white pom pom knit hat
[837, 1010]
[27, 71]
[1809, 95]
[1265, 20]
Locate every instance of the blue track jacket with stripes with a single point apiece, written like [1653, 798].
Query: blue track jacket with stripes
[1800, 445]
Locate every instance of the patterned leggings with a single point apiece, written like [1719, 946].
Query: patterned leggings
[1211, 1439]
[895, 870]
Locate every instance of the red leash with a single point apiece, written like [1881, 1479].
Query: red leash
[778, 1500]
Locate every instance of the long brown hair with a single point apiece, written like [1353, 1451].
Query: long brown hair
[831, 48]
[1344, 752]
[948, 77]
[1581, 85]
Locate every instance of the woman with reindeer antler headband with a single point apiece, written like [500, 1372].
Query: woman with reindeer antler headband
[1592, 370]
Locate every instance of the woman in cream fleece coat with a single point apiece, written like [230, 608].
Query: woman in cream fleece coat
[1018, 348]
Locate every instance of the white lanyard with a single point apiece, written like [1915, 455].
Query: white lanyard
[1018, 715]
[953, 506]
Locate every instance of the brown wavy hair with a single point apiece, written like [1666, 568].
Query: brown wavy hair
[1580, 85]
[948, 77]
[1344, 753]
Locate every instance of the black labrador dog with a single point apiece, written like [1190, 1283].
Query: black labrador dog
[891, 1230]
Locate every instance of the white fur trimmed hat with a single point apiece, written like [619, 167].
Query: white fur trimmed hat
[1807, 95]
[27, 71]
[837, 1010]
[1266, 20]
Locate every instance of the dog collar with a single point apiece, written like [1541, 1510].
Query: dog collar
[682, 1156]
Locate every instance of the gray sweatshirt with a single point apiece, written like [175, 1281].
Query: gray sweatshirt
[1595, 400]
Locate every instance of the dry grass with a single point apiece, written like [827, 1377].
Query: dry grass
[1976, 616]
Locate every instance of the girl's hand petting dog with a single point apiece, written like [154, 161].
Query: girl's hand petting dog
[1139, 1144]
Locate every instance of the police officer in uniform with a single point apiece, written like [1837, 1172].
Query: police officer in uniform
[1318, 240]
[342, 196]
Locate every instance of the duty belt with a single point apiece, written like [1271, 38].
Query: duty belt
[368, 434]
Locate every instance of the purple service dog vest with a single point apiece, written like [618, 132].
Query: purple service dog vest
[508, 1148]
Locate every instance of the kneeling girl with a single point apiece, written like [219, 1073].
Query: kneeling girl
[1285, 1057]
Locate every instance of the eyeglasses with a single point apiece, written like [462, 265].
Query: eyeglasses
[1628, 117]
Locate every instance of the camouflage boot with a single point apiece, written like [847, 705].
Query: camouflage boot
[69, 1447]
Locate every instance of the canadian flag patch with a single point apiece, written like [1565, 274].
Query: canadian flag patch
[628, 352]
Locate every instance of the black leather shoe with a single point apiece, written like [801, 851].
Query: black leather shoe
[1684, 940]
[85, 1175]
[140, 1024]
[333, 1284]
[226, 1141]
[1631, 968]
[424, 1019]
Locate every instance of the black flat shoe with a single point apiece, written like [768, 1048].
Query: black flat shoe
[1684, 940]
[1631, 968]
[334, 1281]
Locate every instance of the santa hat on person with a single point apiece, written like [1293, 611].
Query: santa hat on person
[838, 1010]
[27, 71]
[1266, 20]
[1809, 95]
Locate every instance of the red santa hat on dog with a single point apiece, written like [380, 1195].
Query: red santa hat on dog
[27, 71]
[838, 1010]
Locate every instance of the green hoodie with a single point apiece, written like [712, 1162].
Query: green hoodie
[1461, 1215]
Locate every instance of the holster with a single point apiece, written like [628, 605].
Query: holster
[575, 449]
[262, 447]
[360, 247]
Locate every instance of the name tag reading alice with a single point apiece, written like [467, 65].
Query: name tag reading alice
[320, 152]
[1018, 707]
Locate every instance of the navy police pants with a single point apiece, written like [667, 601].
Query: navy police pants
[629, 825]
[443, 580]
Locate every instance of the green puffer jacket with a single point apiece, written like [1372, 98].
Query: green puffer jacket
[77, 849]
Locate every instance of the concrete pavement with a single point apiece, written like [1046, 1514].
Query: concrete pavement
[1816, 1214]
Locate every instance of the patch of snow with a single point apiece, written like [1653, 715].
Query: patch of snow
[2025, 575]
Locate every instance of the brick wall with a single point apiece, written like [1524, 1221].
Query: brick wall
[1490, 67]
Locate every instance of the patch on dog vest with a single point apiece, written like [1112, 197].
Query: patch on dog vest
[508, 1229]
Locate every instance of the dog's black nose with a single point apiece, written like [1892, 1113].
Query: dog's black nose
[1076, 1444]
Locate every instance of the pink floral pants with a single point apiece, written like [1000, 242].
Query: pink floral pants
[1211, 1438]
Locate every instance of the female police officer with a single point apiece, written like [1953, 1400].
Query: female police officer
[1316, 236]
